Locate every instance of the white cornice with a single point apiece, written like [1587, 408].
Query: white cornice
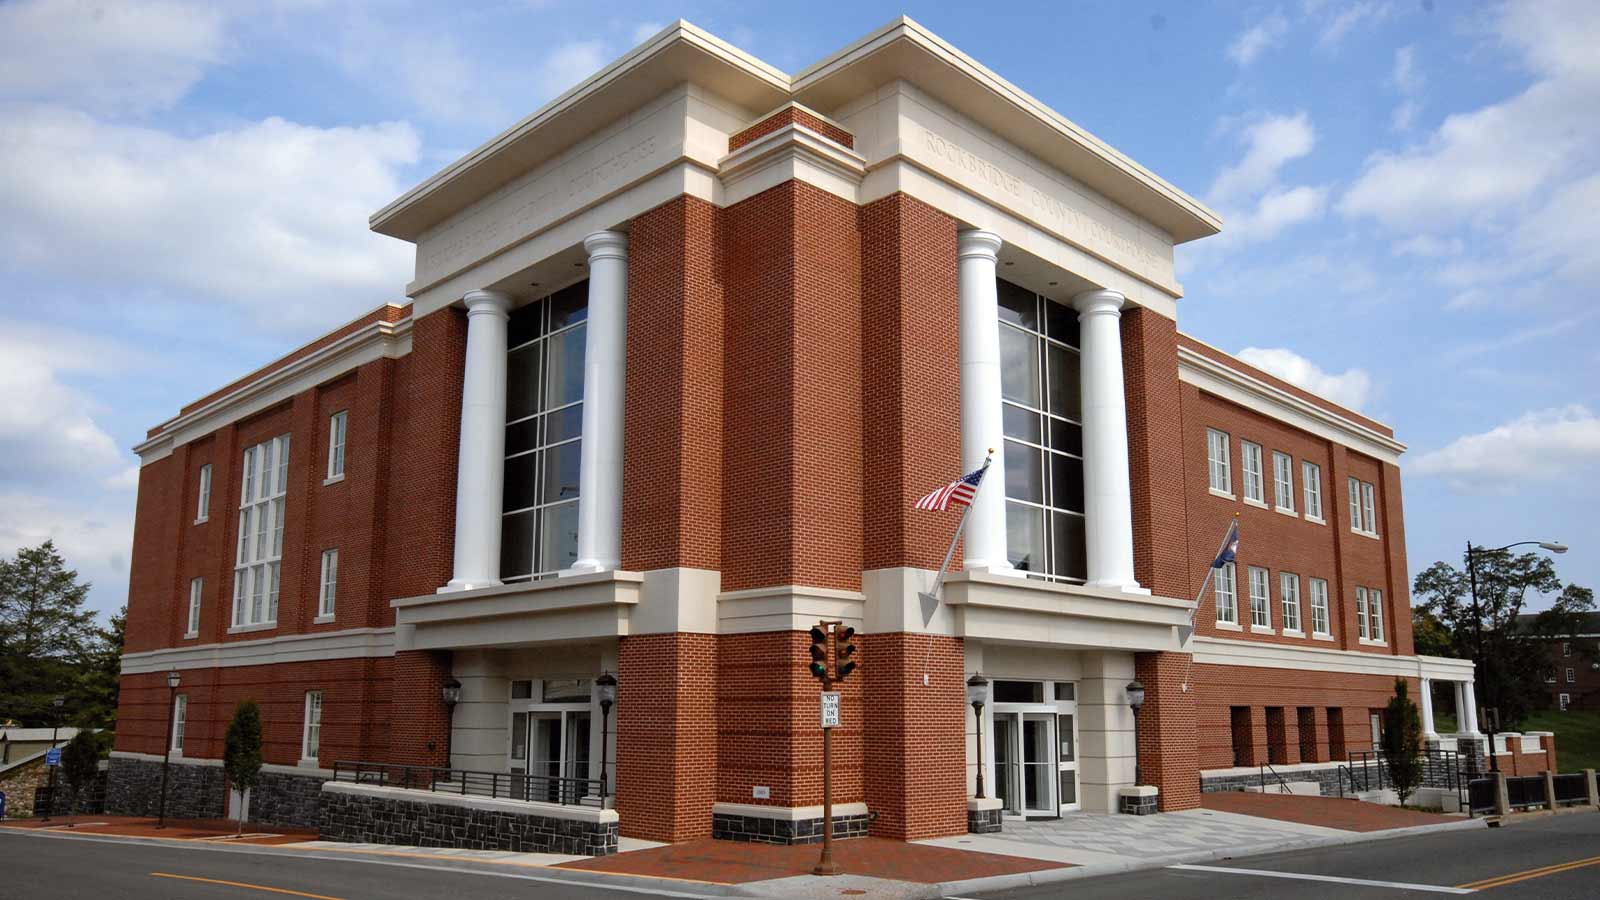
[353, 643]
[376, 340]
[1214, 651]
[1252, 393]
[791, 152]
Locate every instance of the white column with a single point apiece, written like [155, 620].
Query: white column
[1469, 713]
[1428, 734]
[981, 429]
[605, 347]
[1108, 503]
[480, 459]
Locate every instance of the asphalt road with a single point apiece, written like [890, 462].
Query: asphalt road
[35, 867]
[1445, 859]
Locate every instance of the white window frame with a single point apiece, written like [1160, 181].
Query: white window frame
[1250, 464]
[1375, 609]
[180, 720]
[197, 588]
[1572, 675]
[311, 729]
[1566, 648]
[258, 554]
[1355, 504]
[1283, 482]
[1319, 609]
[1563, 701]
[1369, 509]
[1289, 600]
[328, 594]
[1311, 484]
[338, 429]
[1260, 601]
[1361, 613]
[202, 511]
[1227, 595]
[1218, 462]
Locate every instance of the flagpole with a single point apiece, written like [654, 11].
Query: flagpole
[1200, 595]
[938, 580]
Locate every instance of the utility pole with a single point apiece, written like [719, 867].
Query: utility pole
[831, 653]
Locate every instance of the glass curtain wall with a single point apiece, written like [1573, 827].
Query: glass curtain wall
[1042, 412]
[544, 431]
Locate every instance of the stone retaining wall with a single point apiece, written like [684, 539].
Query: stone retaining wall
[280, 798]
[767, 830]
[194, 791]
[383, 815]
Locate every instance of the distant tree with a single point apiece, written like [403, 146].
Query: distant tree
[1429, 636]
[94, 696]
[80, 763]
[241, 751]
[1402, 742]
[1510, 669]
[44, 634]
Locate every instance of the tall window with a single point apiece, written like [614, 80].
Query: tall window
[337, 425]
[1260, 598]
[196, 589]
[1041, 409]
[1361, 613]
[260, 550]
[1375, 609]
[203, 508]
[1369, 514]
[311, 740]
[1311, 482]
[330, 584]
[1227, 597]
[1217, 461]
[1283, 481]
[1254, 484]
[1319, 606]
[180, 717]
[544, 431]
[1289, 596]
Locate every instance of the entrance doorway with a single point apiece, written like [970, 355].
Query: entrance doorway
[551, 739]
[1035, 748]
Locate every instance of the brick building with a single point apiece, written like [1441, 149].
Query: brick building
[1573, 662]
[681, 351]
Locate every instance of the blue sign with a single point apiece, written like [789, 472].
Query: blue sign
[2, 804]
[52, 757]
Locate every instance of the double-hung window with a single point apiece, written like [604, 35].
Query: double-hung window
[1361, 614]
[1375, 611]
[311, 738]
[180, 717]
[1218, 462]
[1255, 487]
[1289, 596]
[203, 507]
[1311, 483]
[1572, 676]
[260, 547]
[196, 589]
[1260, 598]
[1227, 598]
[1283, 481]
[1042, 420]
[1363, 508]
[1319, 607]
[544, 435]
[338, 423]
[1355, 504]
[329, 593]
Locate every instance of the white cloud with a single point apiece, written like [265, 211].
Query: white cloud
[1275, 211]
[1427, 245]
[124, 56]
[1347, 18]
[95, 538]
[269, 217]
[1406, 78]
[644, 31]
[1258, 38]
[1350, 389]
[1271, 141]
[1253, 204]
[47, 427]
[1544, 445]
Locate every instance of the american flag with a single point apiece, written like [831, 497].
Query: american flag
[961, 491]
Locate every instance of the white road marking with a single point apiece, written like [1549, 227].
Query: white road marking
[1267, 873]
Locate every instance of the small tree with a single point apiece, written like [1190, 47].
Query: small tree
[80, 763]
[241, 752]
[1402, 742]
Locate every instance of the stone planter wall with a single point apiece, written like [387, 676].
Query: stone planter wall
[766, 830]
[383, 815]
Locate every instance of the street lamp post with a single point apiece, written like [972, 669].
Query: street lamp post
[607, 689]
[55, 729]
[1477, 629]
[978, 695]
[1136, 699]
[450, 693]
[166, 754]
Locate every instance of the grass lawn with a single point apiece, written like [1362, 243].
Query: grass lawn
[1577, 735]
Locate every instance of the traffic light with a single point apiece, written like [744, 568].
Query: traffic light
[843, 650]
[819, 653]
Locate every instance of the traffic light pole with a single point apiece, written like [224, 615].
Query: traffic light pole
[829, 663]
[826, 865]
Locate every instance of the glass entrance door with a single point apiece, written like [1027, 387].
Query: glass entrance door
[544, 762]
[1025, 764]
[557, 751]
[1067, 759]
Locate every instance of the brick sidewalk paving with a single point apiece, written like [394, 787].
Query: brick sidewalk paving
[1328, 812]
[218, 830]
[730, 862]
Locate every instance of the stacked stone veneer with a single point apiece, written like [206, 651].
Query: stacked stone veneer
[280, 798]
[133, 788]
[363, 814]
[984, 821]
[767, 830]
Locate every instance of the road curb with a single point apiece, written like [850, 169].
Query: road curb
[1055, 876]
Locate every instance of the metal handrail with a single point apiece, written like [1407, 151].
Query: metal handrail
[1283, 786]
[533, 788]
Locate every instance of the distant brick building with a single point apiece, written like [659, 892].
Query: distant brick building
[1574, 664]
[681, 351]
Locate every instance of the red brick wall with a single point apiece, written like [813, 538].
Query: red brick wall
[1217, 688]
[667, 749]
[672, 471]
[1167, 751]
[914, 736]
[421, 722]
[152, 571]
[1232, 362]
[790, 115]
[1156, 453]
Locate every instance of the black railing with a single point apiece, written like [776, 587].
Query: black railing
[468, 782]
[1480, 797]
[1572, 789]
[1369, 770]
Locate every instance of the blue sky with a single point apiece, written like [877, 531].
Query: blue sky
[1410, 195]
